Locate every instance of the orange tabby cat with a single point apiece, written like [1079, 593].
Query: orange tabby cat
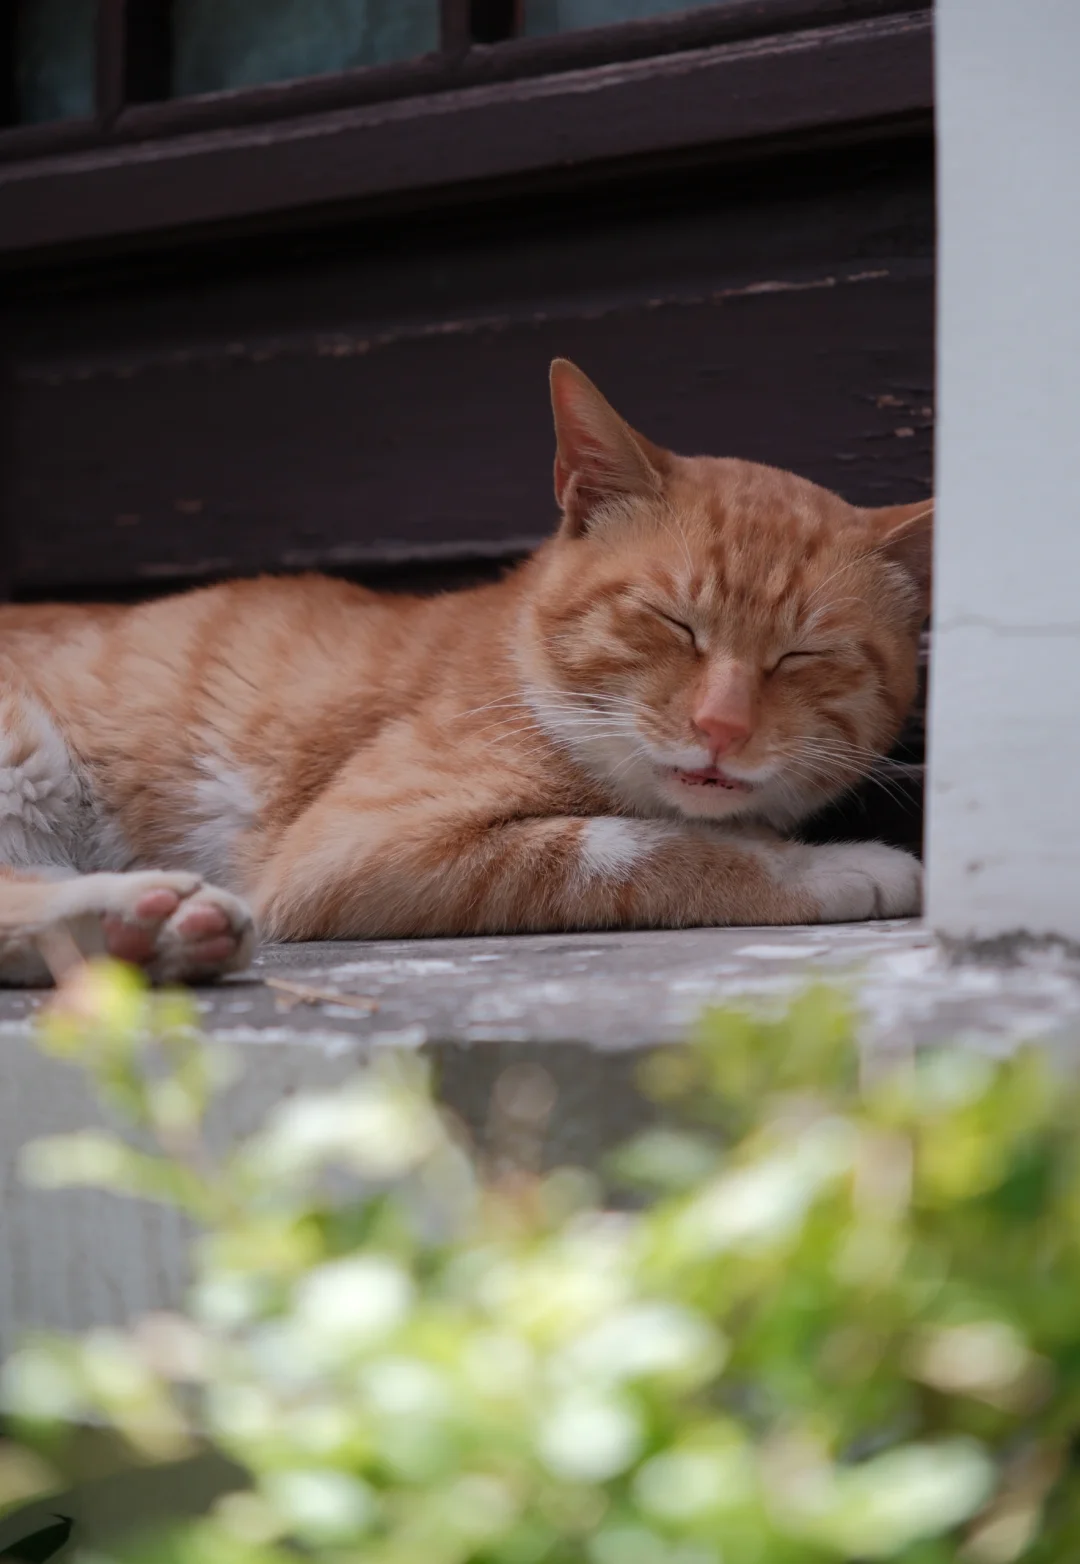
[614, 736]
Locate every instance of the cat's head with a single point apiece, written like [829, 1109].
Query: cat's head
[712, 637]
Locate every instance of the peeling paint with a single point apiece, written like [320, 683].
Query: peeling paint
[165, 570]
[1004, 628]
[344, 344]
[1017, 947]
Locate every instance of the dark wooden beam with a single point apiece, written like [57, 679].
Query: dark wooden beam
[9, 37]
[866, 74]
[111, 59]
[454, 33]
[494, 21]
[9, 457]
[461, 66]
[148, 62]
[134, 39]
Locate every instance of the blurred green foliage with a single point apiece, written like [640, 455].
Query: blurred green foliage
[845, 1323]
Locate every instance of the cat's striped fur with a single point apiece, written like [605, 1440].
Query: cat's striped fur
[619, 734]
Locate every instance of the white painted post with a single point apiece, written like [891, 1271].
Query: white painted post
[1004, 829]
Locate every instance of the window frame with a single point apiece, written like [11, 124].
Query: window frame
[472, 115]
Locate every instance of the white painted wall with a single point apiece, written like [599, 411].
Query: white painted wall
[1004, 830]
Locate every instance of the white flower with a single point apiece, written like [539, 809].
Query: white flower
[682, 1484]
[767, 1201]
[326, 1506]
[640, 1341]
[589, 1438]
[349, 1305]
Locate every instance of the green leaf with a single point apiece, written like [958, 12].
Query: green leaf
[41, 1545]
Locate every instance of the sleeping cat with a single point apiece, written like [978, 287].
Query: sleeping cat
[614, 736]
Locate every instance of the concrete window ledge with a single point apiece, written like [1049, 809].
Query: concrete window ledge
[584, 1006]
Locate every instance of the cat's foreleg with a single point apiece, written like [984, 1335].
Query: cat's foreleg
[341, 874]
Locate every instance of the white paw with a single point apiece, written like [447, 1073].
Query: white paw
[173, 925]
[853, 881]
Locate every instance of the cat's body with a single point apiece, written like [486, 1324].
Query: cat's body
[613, 736]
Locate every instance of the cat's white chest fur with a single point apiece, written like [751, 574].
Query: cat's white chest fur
[46, 815]
[50, 818]
[223, 806]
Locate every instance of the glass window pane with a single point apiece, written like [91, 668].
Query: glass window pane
[219, 44]
[54, 52]
[560, 16]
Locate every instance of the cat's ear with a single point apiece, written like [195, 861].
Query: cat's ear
[905, 535]
[599, 457]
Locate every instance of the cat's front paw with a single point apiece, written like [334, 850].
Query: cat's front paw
[853, 881]
[173, 925]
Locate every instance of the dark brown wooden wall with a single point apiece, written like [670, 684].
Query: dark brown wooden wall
[376, 391]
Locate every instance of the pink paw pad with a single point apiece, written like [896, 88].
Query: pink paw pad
[134, 937]
[201, 921]
[156, 906]
[180, 932]
[213, 952]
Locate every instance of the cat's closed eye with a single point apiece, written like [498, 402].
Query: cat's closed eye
[794, 659]
[684, 630]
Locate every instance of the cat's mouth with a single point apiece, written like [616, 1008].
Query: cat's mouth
[712, 776]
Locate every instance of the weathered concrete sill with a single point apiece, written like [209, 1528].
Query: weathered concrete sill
[586, 1005]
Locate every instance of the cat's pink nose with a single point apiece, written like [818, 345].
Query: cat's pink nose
[722, 734]
[724, 714]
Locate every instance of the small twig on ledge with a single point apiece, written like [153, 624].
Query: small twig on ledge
[293, 994]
